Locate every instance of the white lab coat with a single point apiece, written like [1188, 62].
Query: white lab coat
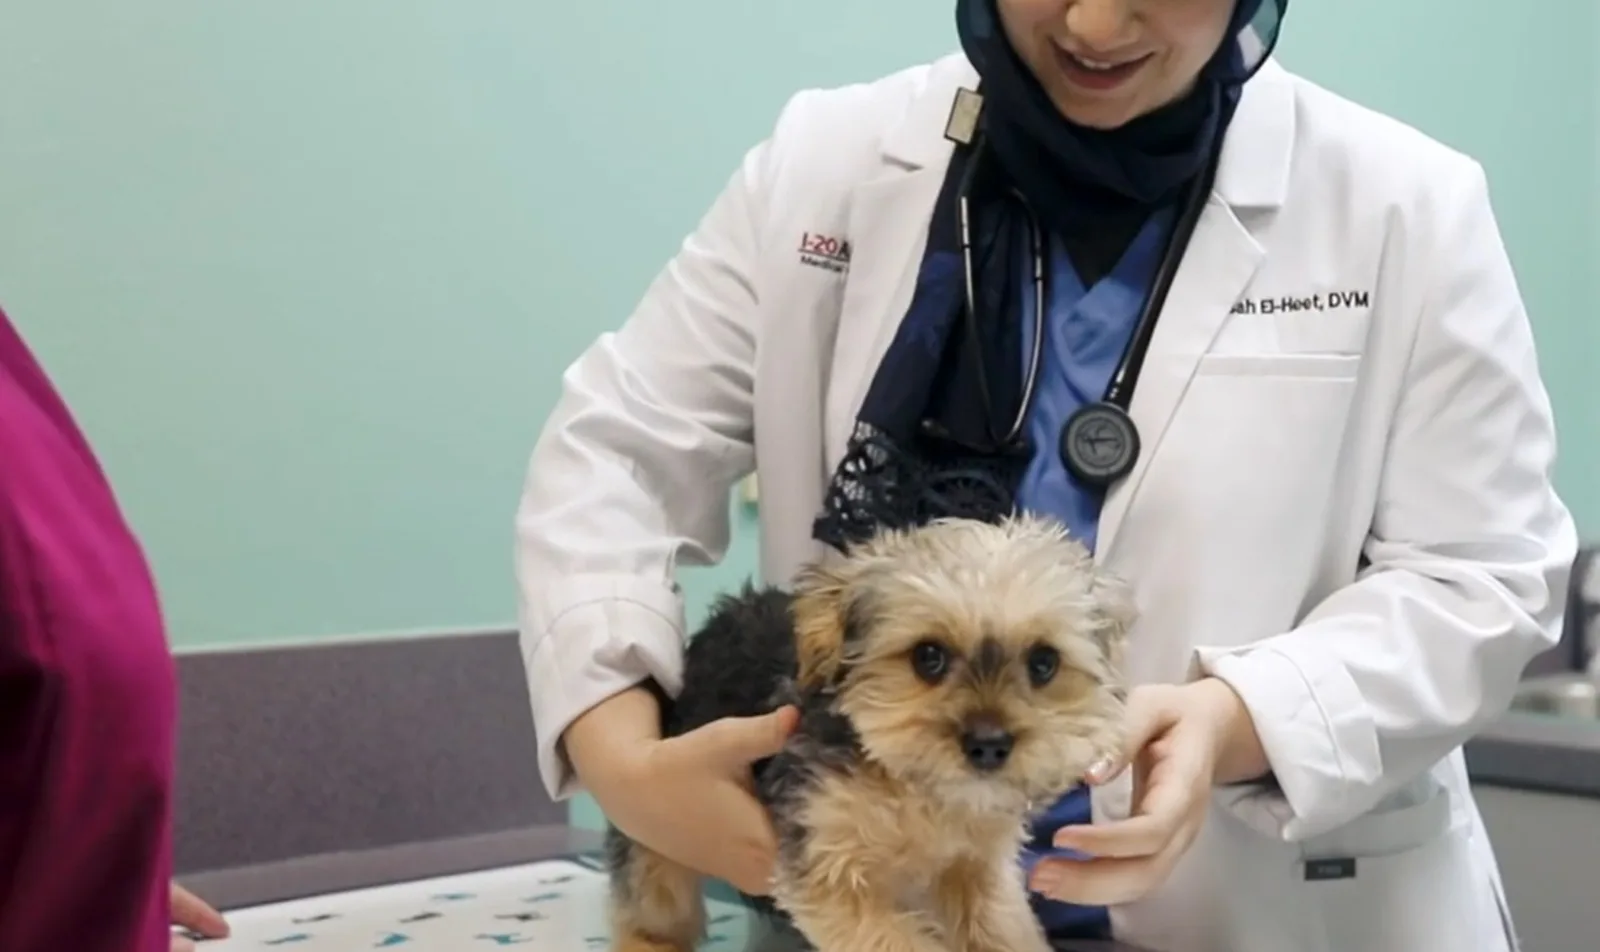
[1343, 508]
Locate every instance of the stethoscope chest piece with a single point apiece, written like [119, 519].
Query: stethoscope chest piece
[1099, 444]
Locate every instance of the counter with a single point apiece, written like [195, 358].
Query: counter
[1536, 778]
[1540, 752]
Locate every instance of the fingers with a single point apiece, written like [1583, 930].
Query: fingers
[1130, 862]
[192, 913]
[752, 875]
[1148, 716]
[749, 869]
[1171, 781]
[1164, 808]
[747, 819]
[1131, 838]
[1160, 810]
[737, 741]
[1105, 769]
[1097, 882]
[744, 849]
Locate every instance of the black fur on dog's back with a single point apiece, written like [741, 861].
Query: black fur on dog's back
[739, 664]
[743, 663]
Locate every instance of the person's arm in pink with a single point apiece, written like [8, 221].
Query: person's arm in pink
[87, 692]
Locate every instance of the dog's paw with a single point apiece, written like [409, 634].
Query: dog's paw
[634, 942]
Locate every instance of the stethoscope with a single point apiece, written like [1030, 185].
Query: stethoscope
[1100, 442]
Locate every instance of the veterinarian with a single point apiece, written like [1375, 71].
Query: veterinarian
[1259, 346]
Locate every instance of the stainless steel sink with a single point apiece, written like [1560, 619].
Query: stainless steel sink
[1564, 695]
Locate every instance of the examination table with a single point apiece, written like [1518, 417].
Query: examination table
[556, 904]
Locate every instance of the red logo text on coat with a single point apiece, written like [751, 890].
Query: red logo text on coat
[825, 252]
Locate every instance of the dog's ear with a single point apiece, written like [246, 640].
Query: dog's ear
[821, 618]
[1115, 613]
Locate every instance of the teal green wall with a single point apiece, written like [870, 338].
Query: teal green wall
[309, 271]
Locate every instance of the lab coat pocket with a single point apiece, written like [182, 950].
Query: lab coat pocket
[1257, 440]
[1291, 333]
[1398, 878]
[1313, 366]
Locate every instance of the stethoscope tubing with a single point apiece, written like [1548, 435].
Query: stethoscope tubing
[1119, 392]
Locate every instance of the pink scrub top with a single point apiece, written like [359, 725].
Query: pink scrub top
[87, 693]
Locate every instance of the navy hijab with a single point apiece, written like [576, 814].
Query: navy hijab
[928, 441]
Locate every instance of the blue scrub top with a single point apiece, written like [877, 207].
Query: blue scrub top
[1087, 331]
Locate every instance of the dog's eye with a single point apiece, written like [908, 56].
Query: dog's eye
[1043, 662]
[930, 661]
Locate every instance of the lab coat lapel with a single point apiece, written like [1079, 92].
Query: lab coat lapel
[888, 230]
[1220, 262]
[1221, 259]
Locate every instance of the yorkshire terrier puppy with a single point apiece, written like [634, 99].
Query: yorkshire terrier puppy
[950, 679]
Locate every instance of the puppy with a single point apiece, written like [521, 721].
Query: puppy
[951, 679]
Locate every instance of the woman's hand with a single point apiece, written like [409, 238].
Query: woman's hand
[189, 912]
[689, 797]
[1183, 740]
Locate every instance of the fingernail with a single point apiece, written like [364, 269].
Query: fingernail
[1101, 769]
[1046, 880]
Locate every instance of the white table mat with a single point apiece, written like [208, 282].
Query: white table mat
[550, 906]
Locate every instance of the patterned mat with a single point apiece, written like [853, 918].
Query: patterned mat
[551, 906]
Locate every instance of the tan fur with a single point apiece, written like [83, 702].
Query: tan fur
[889, 871]
[1022, 583]
[660, 909]
[820, 612]
[910, 848]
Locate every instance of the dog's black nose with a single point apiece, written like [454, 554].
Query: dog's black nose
[987, 745]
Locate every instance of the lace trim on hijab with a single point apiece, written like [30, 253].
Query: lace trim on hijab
[880, 484]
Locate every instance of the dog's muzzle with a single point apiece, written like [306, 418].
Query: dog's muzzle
[986, 744]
